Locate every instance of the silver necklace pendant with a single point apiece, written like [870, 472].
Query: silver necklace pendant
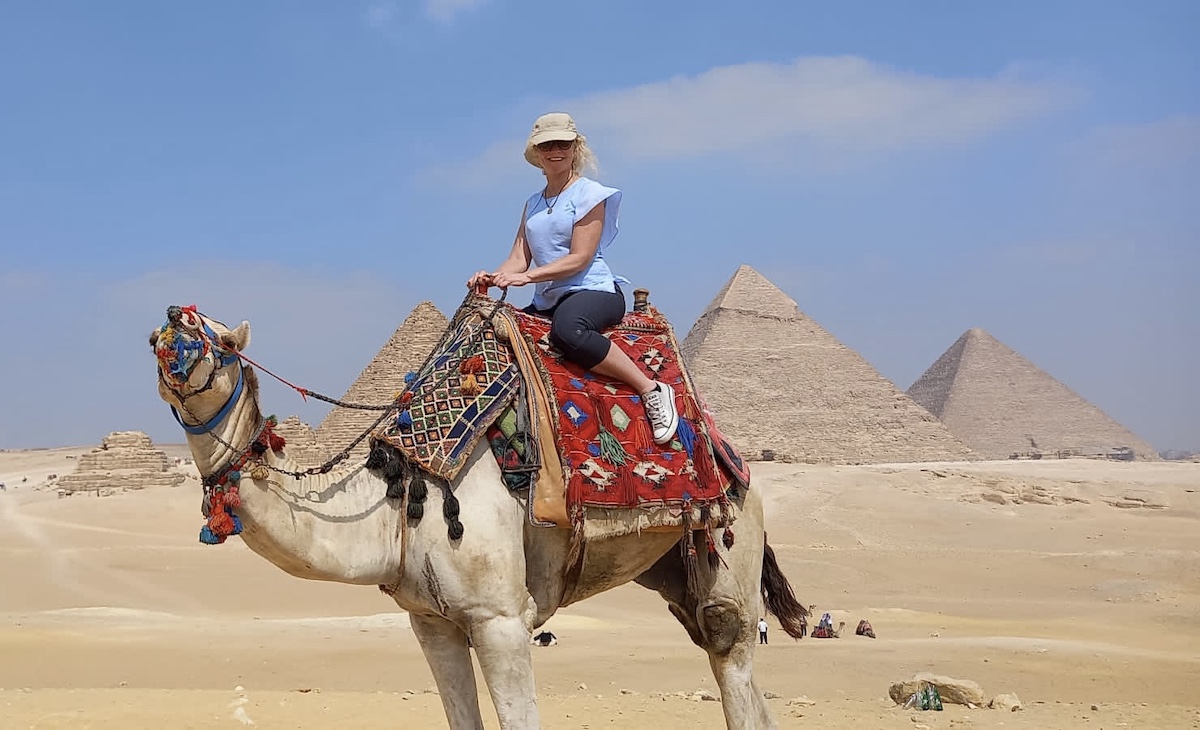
[549, 210]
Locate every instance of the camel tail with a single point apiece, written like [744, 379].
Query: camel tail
[778, 597]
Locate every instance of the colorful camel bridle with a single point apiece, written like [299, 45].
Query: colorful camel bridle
[184, 341]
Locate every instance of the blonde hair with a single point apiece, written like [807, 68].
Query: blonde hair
[584, 158]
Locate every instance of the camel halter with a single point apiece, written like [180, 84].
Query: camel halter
[178, 355]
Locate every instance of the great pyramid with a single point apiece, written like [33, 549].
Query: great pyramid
[1001, 404]
[382, 379]
[777, 381]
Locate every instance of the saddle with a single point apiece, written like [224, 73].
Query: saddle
[578, 442]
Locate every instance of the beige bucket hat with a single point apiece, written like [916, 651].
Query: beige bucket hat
[548, 127]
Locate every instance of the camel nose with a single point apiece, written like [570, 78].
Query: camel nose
[174, 313]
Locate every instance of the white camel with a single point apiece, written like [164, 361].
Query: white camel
[489, 589]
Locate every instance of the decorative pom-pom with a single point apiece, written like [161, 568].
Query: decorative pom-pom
[404, 421]
[232, 499]
[416, 510]
[208, 537]
[471, 365]
[233, 477]
[406, 398]
[237, 525]
[377, 458]
[418, 490]
[455, 530]
[469, 385]
[450, 507]
[410, 376]
[220, 523]
[395, 490]
[258, 447]
[727, 538]
[259, 472]
[277, 442]
[393, 470]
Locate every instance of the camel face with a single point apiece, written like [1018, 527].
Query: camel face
[197, 359]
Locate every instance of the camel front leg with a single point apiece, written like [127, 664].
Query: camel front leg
[449, 658]
[502, 646]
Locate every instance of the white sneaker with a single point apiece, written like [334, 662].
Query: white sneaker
[660, 410]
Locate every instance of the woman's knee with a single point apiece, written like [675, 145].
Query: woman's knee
[578, 342]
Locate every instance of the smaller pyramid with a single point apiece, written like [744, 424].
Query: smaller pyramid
[382, 379]
[776, 381]
[1002, 405]
[124, 460]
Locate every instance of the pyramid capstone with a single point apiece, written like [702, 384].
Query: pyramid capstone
[776, 381]
[1002, 405]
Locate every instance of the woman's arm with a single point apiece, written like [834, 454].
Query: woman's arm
[585, 239]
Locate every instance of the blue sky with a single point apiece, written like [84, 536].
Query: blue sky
[904, 171]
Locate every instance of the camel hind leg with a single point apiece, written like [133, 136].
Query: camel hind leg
[722, 617]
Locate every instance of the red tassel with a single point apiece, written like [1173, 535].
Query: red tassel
[727, 538]
[405, 398]
[276, 441]
[471, 365]
[221, 523]
[232, 498]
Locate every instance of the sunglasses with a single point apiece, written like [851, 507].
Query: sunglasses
[556, 144]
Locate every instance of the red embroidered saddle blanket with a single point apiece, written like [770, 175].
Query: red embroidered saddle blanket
[596, 445]
[605, 442]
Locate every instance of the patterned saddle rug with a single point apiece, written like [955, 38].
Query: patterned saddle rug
[496, 373]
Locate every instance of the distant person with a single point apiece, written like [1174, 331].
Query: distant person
[545, 639]
[762, 631]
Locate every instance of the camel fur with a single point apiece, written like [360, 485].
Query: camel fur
[492, 588]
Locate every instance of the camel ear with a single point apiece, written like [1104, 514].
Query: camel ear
[153, 339]
[238, 338]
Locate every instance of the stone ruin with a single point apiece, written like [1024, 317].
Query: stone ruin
[124, 460]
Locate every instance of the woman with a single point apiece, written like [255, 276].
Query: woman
[559, 248]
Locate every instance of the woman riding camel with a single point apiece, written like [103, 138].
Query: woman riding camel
[559, 248]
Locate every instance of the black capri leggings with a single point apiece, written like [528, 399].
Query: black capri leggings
[576, 321]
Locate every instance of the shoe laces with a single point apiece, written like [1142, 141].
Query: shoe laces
[655, 409]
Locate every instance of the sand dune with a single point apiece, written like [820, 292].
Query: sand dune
[1071, 583]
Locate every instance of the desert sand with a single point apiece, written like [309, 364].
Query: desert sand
[1074, 584]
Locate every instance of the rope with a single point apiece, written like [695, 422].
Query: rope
[388, 409]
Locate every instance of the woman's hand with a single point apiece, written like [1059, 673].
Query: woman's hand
[505, 279]
[480, 277]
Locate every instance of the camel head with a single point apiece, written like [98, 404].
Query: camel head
[199, 370]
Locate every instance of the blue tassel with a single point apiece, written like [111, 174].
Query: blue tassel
[208, 537]
[686, 436]
[404, 420]
[237, 524]
[234, 476]
[410, 376]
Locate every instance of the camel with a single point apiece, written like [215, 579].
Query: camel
[493, 585]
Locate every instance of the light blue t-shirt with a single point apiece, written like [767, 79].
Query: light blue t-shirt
[548, 232]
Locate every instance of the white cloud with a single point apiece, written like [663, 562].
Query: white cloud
[1167, 142]
[842, 106]
[445, 10]
[382, 15]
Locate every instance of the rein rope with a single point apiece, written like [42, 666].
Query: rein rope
[266, 424]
